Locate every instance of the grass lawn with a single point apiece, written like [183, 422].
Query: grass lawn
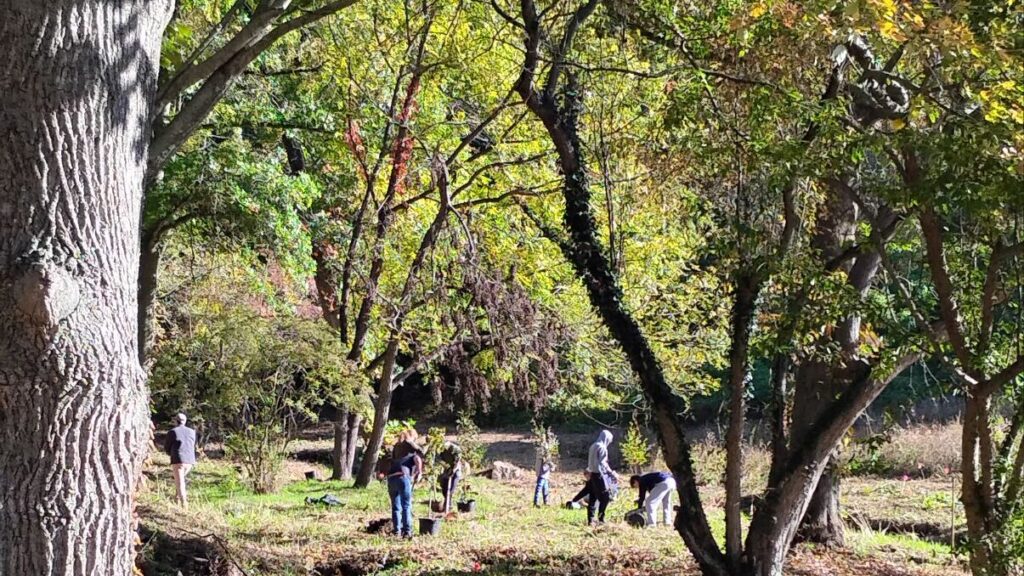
[279, 534]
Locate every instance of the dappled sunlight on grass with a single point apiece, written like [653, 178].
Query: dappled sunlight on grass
[280, 534]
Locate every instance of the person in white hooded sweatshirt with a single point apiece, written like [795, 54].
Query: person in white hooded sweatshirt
[600, 471]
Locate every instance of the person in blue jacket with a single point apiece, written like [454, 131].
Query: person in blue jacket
[402, 471]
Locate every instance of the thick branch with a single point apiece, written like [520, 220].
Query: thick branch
[936, 257]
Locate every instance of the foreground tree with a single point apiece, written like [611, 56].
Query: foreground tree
[76, 112]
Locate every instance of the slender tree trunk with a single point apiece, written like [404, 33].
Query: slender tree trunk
[339, 456]
[745, 299]
[355, 424]
[333, 310]
[149, 270]
[971, 492]
[381, 410]
[74, 425]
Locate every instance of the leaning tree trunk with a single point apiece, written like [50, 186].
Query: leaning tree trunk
[74, 110]
[381, 410]
[814, 392]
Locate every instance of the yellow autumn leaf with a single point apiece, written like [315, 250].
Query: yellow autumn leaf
[758, 10]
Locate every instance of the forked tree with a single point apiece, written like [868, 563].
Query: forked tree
[555, 99]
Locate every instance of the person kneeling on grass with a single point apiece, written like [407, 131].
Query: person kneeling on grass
[401, 474]
[582, 495]
[655, 491]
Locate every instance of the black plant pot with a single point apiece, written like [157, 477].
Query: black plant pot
[467, 506]
[430, 526]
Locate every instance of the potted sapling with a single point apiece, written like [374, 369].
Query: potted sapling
[466, 502]
[432, 523]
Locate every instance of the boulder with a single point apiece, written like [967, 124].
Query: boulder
[503, 472]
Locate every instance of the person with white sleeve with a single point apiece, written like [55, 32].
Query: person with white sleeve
[655, 492]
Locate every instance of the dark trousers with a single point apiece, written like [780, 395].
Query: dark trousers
[599, 498]
[448, 482]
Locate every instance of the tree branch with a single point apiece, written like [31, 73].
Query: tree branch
[935, 253]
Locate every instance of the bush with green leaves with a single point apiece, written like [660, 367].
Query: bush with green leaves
[547, 445]
[636, 451]
[254, 380]
[473, 448]
[393, 430]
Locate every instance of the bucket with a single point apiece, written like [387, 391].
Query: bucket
[430, 526]
[467, 506]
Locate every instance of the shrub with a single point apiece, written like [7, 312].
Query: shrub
[392, 430]
[261, 453]
[635, 449]
[473, 449]
[255, 381]
[547, 445]
[709, 461]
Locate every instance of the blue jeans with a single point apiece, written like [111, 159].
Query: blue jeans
[543, 489]
[400, 491]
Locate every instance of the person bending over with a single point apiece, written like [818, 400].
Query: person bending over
[448, 482]
[655, 492]
[402, 470]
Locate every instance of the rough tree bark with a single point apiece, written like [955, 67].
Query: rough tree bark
[817, 383]
[75, 100]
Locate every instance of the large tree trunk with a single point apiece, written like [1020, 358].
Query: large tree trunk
[819, 382]
[814, 392]
[776, 521]
[74, 423]
[822, 523]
